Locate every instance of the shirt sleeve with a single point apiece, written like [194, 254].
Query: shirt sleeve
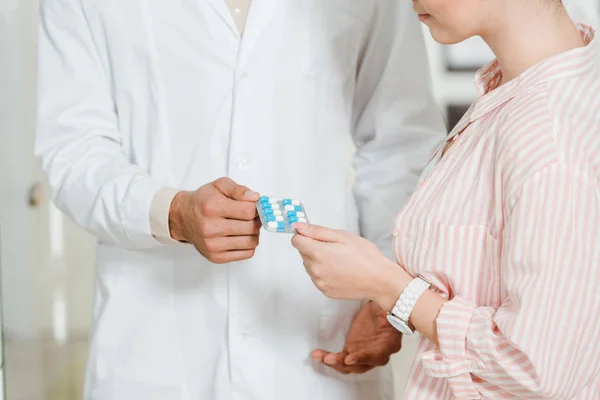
[159, 215]
[397, 123]
[541, 341]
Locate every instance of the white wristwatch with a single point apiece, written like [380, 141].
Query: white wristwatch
[399, 316]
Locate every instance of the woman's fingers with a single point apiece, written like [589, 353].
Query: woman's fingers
[305, 245]
[319, 233]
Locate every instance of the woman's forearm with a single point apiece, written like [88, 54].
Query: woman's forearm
[425, 314]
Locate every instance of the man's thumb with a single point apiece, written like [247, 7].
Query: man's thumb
[234, 191]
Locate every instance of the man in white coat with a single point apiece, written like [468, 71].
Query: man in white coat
[143, 102]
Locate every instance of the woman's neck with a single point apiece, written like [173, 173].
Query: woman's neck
[521, 41]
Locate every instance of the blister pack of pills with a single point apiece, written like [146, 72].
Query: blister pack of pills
[279, 215]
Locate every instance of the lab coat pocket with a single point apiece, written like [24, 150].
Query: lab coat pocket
[333, 46]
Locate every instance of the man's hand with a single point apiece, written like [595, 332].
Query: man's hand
[219, 219]
[370, 342]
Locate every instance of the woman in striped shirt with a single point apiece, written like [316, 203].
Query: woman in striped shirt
[505, 224]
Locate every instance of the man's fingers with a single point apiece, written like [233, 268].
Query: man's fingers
[318, 355]
[226, 186]
[250, 195]
[233, 209]
[336, 362]
[222, 227]
[339, 368]
[234, 227]
[319, 233]
[234, 191]
[359, 369]
[335, 358]
[231, 256]
[345, 369]
[223, 244]
[367, 358]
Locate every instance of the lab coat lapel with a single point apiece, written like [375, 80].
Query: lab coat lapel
[260, 15]
[220, 8]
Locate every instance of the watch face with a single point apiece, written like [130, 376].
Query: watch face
[399, 324]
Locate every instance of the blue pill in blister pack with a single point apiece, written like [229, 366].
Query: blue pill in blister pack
[279, 215]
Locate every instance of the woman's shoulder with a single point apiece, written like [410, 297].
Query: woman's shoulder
[524, 138]
[557, 123]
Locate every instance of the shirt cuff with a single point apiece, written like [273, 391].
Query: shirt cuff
[159, 215]
[451, 361]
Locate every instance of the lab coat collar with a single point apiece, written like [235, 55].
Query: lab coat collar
[220, 8]
[260, 14]
[571, 63]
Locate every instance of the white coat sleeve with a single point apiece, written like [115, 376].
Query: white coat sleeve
[78, 139]
[397, 122]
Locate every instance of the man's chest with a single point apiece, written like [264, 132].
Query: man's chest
[319, 39]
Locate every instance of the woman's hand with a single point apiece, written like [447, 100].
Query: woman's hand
[346, 266]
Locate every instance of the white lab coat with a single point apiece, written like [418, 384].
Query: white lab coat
[137, 95]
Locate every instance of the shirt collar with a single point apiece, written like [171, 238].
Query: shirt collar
[571, 63]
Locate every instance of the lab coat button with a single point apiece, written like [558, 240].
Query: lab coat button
[244, 163]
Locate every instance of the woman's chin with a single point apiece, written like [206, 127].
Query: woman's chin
[444, 37]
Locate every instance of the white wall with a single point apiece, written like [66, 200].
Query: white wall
[47, 263]
[18, 222]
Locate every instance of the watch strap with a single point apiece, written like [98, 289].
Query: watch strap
[409, 297]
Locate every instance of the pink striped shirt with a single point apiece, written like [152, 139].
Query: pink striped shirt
[507, 226]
